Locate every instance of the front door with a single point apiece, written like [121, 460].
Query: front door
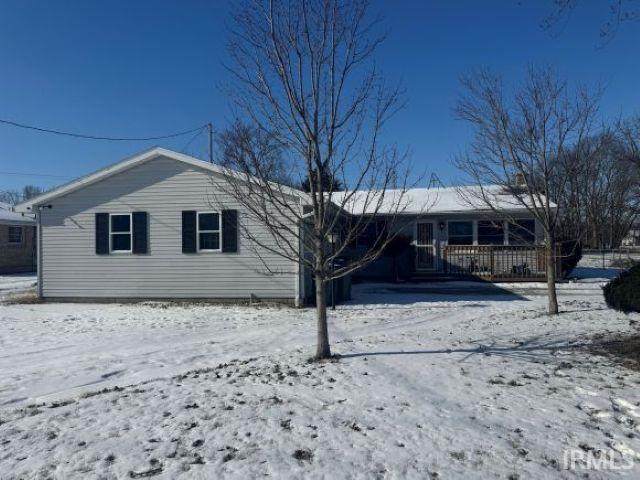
[425, 246]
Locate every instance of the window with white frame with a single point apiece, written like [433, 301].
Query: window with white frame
[15, 235]
[120, 232]
[209, 230]
[460, 233]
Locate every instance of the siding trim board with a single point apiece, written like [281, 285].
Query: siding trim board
[179, 300]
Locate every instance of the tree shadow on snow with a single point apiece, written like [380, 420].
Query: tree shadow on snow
[534, 349]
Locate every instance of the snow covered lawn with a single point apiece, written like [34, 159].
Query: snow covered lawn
[16, 283]
[432, 382]
[608, 260]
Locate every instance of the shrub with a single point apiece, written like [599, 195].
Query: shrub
[623, 292]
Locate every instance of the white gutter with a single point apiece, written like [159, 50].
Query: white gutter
[299, 270]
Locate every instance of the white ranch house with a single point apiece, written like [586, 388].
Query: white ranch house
[145, 228]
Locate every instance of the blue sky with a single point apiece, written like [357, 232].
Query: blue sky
[123, 68]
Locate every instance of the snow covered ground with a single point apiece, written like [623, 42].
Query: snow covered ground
[435, 381]
[605, 260]
[16, 283]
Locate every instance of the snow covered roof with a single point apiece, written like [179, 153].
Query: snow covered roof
[428, 200]
[9, 217]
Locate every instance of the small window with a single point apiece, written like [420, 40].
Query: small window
[120, 232]
[490, 232]
[522, 232]
[460, 233]
[209, 232]
[15, 235]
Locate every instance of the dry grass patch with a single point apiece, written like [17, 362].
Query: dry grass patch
[22, 298]
[624, 349]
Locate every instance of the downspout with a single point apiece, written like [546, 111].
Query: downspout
[298, 282]
[39, 251]
[299, 274]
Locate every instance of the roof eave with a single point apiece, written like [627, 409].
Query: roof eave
[18, 223]
[124, 165]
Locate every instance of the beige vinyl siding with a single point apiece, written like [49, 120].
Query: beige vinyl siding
[163, 188]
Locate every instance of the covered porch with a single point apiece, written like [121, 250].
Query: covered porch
[463, 247]
[485, 248]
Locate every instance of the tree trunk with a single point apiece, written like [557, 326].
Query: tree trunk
[551, 276]
[323, 349]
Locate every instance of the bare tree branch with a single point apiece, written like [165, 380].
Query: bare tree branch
[620, 12]
[305, 82]
[520, 145]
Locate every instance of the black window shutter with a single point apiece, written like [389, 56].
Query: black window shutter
[230, 231]
[140, 235]
[102, 233]
[189, 231]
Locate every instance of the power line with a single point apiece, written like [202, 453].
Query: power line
[192, 139]
[97, 137]
[20, 174]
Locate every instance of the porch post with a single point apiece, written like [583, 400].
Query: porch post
[474, 230]
[505, 230]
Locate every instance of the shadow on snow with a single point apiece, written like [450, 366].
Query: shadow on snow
[532, 349]
[403, 294]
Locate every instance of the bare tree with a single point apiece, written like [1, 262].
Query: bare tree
[328, 180]
[600, 191]
[519, 145]
[620, 12]
[13, 197]
[303, 76]
[31, 191]
[630, 135]
[270, 160]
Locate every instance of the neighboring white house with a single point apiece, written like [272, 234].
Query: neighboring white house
[147, 227]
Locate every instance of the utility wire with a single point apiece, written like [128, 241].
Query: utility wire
[192, 139]
[96, 137]
[19, 174]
